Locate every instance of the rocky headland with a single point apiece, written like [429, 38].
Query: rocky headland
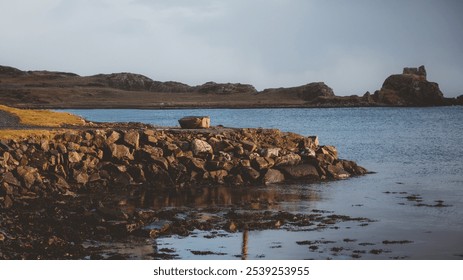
[46, 89]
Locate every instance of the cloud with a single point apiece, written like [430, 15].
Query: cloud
[352, 46]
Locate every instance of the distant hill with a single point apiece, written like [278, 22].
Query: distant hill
[48, 89]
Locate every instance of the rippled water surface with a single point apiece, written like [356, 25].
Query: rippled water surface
[415, 197]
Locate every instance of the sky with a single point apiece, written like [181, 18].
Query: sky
[352, 46]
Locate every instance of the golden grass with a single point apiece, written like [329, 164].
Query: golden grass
[43, 117]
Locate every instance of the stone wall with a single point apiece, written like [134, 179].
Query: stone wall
[81, 161]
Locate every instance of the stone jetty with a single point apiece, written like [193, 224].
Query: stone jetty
[83, 160]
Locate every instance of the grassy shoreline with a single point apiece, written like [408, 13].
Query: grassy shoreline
[37, 122]
[43, 117]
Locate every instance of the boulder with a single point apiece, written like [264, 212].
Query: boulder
[353, 168]
[300, 171]
[74, 157]
[122, 179]
[149, 151]
[81, 177]
[193, 122]
[250, 173]
[248, 146]
[288, 160]
[9, 178]
[336, 171]
[94, 177]
[7, 202]
[61, 183]
[172, 149]
[44, 145]
[273, 176]
[261, 163]
[132, 138]
[28, 175]
[226, 146]
[245, 163]
[6, 189]
[310, 143]
[61, 148]
[159, 176]
[137, 173]
[217, 165]
[328, 150]
[271, 152]
[218, 176]
[236, 180]
[99, 140]
[239, 150]
[113, 137]
[197, 164]
[120, 152]
[72, 136]
[161, 161]
[200, 147]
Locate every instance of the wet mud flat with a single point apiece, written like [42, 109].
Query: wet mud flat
[198, 223]
[94, 226]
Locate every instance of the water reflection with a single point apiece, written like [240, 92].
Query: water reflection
[244, 247]
[250, 197]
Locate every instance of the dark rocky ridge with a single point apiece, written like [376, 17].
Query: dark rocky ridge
[44, 89]
[306, 92]
[106, 159]
[410, 89]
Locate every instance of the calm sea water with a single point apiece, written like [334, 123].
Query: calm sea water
[414, 152]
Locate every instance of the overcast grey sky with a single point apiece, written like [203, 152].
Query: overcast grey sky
[350, 45]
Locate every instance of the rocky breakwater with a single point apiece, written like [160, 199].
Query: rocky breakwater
[85, 161]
